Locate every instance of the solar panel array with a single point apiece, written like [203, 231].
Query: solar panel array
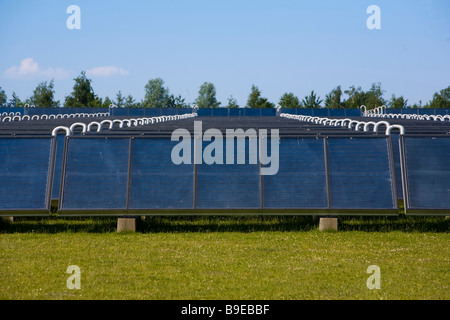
[322, 169]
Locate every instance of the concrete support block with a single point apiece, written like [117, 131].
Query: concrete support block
[8, 219]
[126, 224]
[328, 224]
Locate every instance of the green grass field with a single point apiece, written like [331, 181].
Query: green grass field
[251, 257]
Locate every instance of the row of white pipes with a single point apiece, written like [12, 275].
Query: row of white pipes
[365, 126]
[122, 123]
[414, 116]
[18, 117]
[380, 112]
[376, 112]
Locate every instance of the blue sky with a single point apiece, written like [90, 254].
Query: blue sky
[280, 46]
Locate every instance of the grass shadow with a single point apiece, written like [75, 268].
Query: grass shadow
[53, 225]
[398, 223]
[205, 224]
[244, 224]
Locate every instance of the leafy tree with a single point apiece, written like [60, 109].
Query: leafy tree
[416, 106]
[441, 99]
[177, 102]
[289, 100]
[333, 99]
[83, 95]
[356, 98]
[3, 98]
[156, 96]
[311, 101]
[120, 99]
[398, 103]
[43, 95]
[374, 97]
[207, 96]
[256, 101]
[232, 103]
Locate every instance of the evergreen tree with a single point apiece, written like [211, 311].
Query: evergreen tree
[289, 100]
[82, 95]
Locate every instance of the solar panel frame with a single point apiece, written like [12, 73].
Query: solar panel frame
[328, 211]
[134, 178]
[410, 209]
[393, 187]
[61, 202]
[45, 210]
[319, 150]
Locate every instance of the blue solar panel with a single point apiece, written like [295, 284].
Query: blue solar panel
[301, 179]
[58, 166]
[96, 174]
[204, 112]
[289, 110]
[320, 112]
[136, 111]
[398, 169]
[352, 112]
[152, 112]
[120, 111]
[427, 111]
[235, 112]
[360, 173]
[228, 186]
[442, 112]
[220, 112]
[427, 172]
[252, 112]
[268, 112]
[337, 112]
[24, 173]
[184, 110]
[168, 111]
[409, 111]
[394, 111]
[156, 182]
[305, 112]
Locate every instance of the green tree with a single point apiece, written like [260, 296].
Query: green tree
[333, 99]
[441, 99]
[232, 103]
[289, 100]
[177, 102]
[356, 98]
[44, 95]
[107, 102]
[311, 101]
[207, 96]
[120, 99]
[156, 96]
[82, 95]
[15, 101]
[374, 97]
[256, 101]
[3, 98]
[130, 102]
[398, 103]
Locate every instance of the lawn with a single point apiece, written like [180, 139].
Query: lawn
[196, 258]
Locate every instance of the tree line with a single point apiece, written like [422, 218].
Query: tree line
[159, 96]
